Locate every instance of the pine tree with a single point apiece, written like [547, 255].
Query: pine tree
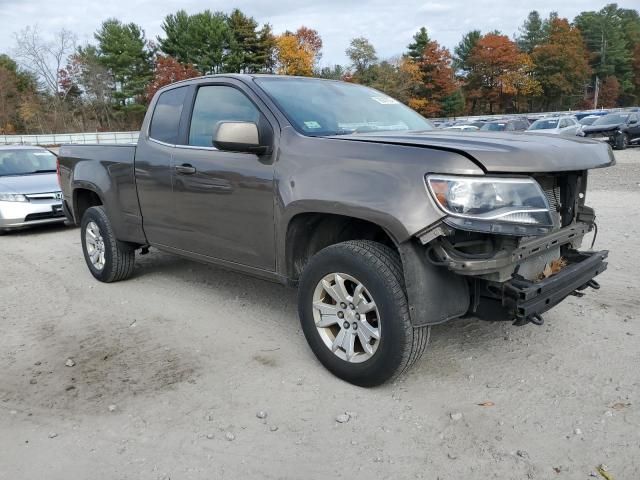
[123, 50]
[420, 41]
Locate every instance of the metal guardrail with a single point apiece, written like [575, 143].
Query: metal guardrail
[60, 138]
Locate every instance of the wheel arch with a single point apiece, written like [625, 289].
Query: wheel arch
[309, 232]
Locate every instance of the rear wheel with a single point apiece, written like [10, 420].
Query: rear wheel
[622, 141]
[354, 314]
[108, 259]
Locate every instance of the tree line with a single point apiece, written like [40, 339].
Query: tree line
[55, 85]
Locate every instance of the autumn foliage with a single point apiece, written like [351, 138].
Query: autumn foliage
[434, 79]
[499, 74]
[168, 70]
[297, 53]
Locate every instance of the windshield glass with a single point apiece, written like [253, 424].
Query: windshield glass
[544, 124]
[612, 118]
[494, 127]
[25, 162]
[588, 120]
[321, 107]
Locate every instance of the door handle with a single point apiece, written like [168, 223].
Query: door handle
[185, 169]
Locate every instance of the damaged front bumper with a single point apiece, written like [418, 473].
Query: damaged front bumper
[525, 300]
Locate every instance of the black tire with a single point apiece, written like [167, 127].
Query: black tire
[622, 141]
[379, 269]
[119, 257]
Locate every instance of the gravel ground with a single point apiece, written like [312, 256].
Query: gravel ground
[170, 370]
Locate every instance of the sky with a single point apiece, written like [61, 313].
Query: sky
[388, 24]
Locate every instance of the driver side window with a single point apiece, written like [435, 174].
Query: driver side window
[217, 103]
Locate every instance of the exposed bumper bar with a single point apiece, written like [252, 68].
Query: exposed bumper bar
[528, 248]
[528, 299]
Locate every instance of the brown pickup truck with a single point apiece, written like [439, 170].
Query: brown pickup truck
[385, 225]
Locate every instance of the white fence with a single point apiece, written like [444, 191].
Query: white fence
[60, 138]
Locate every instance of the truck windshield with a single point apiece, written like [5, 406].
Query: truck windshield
[26, 162]
[320, 107]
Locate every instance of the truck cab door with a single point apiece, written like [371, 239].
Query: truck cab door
[224, 200]
[153, 166]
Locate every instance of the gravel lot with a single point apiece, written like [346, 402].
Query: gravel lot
[171, 368]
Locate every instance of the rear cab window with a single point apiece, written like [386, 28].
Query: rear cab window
[165, 121]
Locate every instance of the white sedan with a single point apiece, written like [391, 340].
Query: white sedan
[29, 190]
[565, 125]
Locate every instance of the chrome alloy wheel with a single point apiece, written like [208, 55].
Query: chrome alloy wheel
[346, 317]
[95, 245]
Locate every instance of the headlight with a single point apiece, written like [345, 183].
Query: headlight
[12, 197]
[512, 206]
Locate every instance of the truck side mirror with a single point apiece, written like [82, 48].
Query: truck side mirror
[238, 137]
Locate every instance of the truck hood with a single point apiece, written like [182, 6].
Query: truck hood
[504, 152]
[602, 128]
[32, 183]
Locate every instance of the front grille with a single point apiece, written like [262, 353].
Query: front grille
[43, 216]
[44, 196]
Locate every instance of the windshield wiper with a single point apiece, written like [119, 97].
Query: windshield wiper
[44, 171]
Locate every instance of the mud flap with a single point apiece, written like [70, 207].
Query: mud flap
[435, 294]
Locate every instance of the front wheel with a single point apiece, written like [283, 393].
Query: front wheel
[108, 259]
[354, 313]
[622, 141]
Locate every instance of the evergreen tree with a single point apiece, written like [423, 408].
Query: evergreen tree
[420, 41]
[203, 39]
[606, 39]
[244, 44]
[123, 50]
[531, 32]
[463, 50]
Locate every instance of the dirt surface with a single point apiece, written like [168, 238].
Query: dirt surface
[171, 367]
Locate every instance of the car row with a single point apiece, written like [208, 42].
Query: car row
[619, 129]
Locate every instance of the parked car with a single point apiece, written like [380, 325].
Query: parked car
[589, 119]
[385, 225]
[597, 113]
[463, 128]
[619, 129]
[506, 125]
[564, 125]
[29, 190]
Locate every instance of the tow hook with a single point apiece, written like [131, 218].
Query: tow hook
[536, 319]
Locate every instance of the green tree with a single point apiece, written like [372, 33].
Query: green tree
[463, 50]
[124, 51]
[337, 72]
[362, 55]
[202, 40]
[531, 32]
[265, 54]
[244, 44]
[420, 41]
[608, 42]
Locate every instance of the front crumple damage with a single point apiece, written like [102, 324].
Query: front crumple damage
[505, 277]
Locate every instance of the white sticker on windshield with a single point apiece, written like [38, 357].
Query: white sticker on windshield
[312, 124]
[42, 154]
[385, 100]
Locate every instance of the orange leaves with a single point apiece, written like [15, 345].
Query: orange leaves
[433, 78]
[500, 70]
[168, 70]
[293, 58]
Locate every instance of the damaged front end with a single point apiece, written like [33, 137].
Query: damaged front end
[518, 267]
